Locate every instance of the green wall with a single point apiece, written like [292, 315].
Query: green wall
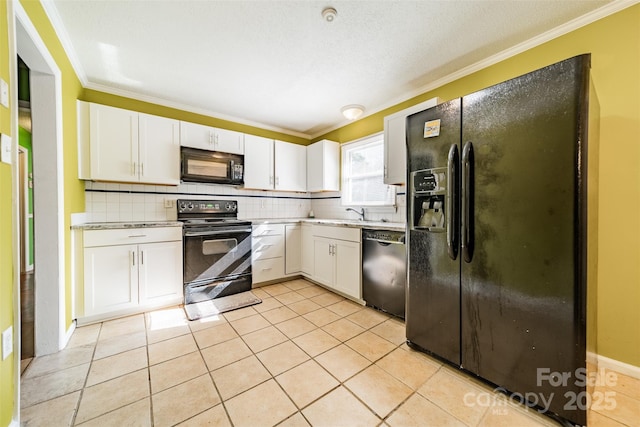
[24, 140]
[614, 43]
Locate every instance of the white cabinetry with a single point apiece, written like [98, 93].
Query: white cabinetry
[130, 270]
[209, 138]
[290, 166]
[126, 146]
[306, 243]
[258, 162]
[337, 259]
[395, 147]
[267, 252]
[274, 165]
[292, 248]
[323, 166]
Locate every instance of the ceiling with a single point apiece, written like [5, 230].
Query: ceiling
[278, 64]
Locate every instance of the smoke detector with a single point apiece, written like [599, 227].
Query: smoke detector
[329, 14]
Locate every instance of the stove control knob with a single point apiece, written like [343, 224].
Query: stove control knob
[183, 206]
[229, 207]
[190, 206]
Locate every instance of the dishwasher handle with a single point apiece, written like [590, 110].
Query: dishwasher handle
[389, 242]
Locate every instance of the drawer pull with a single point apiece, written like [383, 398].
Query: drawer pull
[138, 235]
[267, 269]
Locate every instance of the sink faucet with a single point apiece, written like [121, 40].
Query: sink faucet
[360, 212]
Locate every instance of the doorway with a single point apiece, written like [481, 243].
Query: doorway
[26, 218]
[45, 101]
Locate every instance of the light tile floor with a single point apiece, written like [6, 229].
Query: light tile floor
[304, 356]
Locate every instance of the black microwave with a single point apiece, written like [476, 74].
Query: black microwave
[211, 166]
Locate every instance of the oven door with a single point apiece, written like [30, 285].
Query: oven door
[217, 262]
[212, 253]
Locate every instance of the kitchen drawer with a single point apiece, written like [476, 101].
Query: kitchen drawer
[338, 232]
[267, 269]
[268, 230]
[130, 236]
[267, 247]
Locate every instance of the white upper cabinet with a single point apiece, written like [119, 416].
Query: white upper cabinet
[160, 166]
[258, 162]
[290, 167]
[395, 147]
[323, 166]
[113, 143]
[274, 165]
[126, 146]
[209, 138]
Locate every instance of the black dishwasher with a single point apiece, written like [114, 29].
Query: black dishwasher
[384, 270]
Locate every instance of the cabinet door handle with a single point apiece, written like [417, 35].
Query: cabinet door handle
[277, 180]
[210, 138]
[141, 169]
[141, 257]
[133, 257]
[133, 168]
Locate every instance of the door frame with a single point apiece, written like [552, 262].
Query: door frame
[48, 196]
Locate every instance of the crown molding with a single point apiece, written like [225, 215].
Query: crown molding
[602, 12]
[58, 27]
[191, 109]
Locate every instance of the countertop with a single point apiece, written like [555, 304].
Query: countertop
[376, 225]
[131, 224]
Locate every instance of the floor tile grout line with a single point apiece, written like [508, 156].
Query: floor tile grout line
[299, 410]
[119, 376]
[86, 379]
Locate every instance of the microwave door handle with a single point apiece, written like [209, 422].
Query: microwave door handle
[230, 173]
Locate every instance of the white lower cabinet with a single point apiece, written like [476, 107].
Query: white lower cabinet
[306, 249]
[267, 252]
[130, 270]
[292, 248]
[329, 255]
[337, 259]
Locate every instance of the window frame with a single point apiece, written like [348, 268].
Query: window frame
[345, 179]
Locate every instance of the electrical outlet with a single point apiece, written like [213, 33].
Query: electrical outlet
[7, 342]
[168, 203]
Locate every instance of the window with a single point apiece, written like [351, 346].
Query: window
[363, 173]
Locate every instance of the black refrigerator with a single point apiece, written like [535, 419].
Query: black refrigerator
[497, 235]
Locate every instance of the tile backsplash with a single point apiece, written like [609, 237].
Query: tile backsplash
[111, 202]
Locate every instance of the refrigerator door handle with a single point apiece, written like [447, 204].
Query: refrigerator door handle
[467, 225]
[452, 204]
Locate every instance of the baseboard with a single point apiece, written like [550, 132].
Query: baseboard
[620, 367]
[68, 334]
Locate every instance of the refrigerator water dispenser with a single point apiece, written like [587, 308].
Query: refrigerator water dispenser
[428, 190]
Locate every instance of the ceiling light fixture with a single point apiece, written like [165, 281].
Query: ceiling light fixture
[352, 112]
[329, 14]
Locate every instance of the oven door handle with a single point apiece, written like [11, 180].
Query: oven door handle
[216, 232]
